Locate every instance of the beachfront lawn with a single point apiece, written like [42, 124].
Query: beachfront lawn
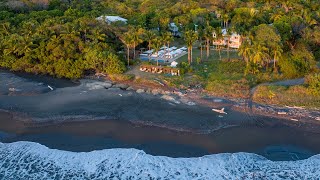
[214, 55]
[286, 96]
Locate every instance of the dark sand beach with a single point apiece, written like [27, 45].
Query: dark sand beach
[85, 117]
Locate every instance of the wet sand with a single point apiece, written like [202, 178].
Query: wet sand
[275, 141]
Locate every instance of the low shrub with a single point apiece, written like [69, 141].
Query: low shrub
[313, 83]
[121, 77]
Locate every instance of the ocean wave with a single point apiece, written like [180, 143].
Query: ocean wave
[28, 160]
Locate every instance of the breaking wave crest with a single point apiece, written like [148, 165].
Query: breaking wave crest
[28, 160]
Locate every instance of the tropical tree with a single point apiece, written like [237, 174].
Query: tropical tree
[246, 51]
[156, 45]
[225, 18]
[190, 37]
[219, 36]
[128, 40]
[229, 33]
[259, 56]
[167, 38]
[149, 36]
[136, 38]
[208, 36]
[277, 53]
[201, 36]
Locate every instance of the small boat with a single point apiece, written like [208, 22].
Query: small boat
[318, 118]
[221, 111]
[282, 113]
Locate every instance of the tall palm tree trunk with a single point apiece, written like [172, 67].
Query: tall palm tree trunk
[128, 55]
[134, 50]
[229, 49]
[189, 55]
[219, 49]
[208, 49]
[274, 62]
[201, 49]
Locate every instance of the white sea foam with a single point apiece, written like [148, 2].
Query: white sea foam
[27, 160]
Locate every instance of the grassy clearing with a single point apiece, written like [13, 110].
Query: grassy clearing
[214, 55]
[219, 78]
[286, 96]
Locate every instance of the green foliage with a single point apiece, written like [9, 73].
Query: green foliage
[184, 68]
[313, 82]
[298, 63]
[62, 44]
[113, 65]
[66, 33]
[231, 67]
[286, 96]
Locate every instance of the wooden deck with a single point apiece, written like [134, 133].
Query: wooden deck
[160, 70]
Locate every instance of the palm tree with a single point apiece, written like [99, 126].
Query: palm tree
[229, 33]
[167, 38]
[219, 36]
[136, 38]
[225, 18]
[245, 50]
[208, 36]
[128, 40]
[201, 36]
[149, 36]
[259, 55]
[156, 45]
[190, 37]
[277, 53]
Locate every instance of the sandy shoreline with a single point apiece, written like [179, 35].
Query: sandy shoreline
[155, 105]
[291, 114]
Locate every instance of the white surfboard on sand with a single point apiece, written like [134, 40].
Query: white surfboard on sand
[221, 111]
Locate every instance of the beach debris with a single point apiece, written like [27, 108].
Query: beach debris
[159, 82]
[140, 91]
[155, 91]
[50, 88]
[292, 119]
[187, 102]
[14, 89]
[295, 107]
[190, 103]
[121, 86]
[170, 98]
[180, 93]
[282, 113]
[318, 118]
[221, 111]
[98, 85]
[130, 88]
